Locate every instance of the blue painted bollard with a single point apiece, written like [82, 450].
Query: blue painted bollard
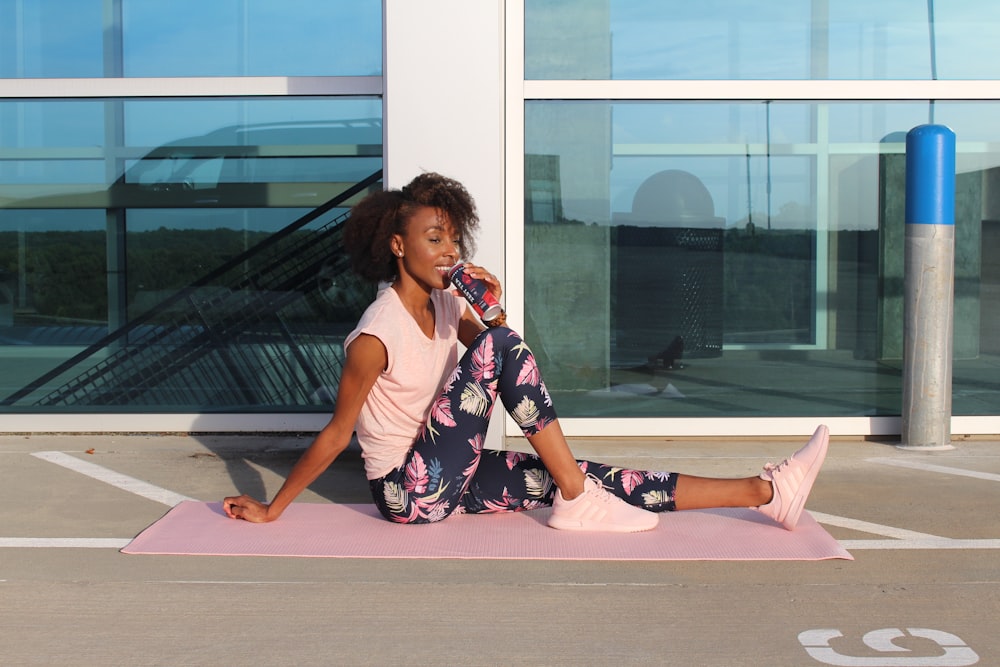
[929, 288]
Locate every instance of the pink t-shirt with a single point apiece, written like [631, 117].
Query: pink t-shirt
[400, 401]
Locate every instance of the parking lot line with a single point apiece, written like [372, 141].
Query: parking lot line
[929, 467]
[935, 544]
[64, 542]
[118, 480]
[873, 528]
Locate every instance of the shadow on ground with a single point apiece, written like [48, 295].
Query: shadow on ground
[248, 460]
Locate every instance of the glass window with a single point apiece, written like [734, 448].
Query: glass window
[64, 153]
[109, 208]
[737, 263]
[69, 38]
[745, 39]
[292, 38]
[51, 39]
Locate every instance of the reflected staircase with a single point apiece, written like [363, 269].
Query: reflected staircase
[264, 329]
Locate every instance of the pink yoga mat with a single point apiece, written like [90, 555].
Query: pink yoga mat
[357, 531]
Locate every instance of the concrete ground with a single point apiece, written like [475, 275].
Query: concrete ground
[924, 588]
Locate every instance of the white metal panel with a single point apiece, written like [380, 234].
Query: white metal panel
[134, 87]
[720, 90]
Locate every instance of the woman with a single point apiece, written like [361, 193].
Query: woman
[421, 415]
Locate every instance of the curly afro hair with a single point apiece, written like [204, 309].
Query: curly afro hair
[374, 220]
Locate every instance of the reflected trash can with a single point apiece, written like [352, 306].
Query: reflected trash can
[667, 273]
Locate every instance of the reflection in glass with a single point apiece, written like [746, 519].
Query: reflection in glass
[746, 39]
[715, 259]
[65, 154]
[51, 39]
[243, 38]
[53, 288]
[136, 38]
[110, 207]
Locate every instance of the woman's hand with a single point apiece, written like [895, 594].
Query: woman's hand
[492, 282]
[246, 508]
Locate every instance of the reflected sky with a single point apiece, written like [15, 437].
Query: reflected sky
[243, 38]
[761, 163]
[156, 122]
[751, 156]
[749, 39]
[65, 145]
[66, 38]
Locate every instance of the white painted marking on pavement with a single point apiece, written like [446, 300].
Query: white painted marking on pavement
[874, 528]
[65, 542]
[240, 582]
[903, 539]
[955, 652]
[118, 480]
[930, 467]
[937, 543]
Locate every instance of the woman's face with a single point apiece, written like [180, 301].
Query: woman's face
[429, 247]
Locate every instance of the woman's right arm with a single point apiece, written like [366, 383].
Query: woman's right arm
[366, 359]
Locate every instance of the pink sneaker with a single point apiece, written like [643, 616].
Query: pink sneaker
[792, 479]
[597, 509]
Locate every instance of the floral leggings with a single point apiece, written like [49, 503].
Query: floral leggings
[447, 470]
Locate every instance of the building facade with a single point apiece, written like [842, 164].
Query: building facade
[697, 211]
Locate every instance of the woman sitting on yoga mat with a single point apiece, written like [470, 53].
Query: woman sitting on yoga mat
[421, 413]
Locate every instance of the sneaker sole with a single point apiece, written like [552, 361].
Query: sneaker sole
[603, 527]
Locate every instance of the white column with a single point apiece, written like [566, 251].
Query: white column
[443, 71]
[444, 102]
